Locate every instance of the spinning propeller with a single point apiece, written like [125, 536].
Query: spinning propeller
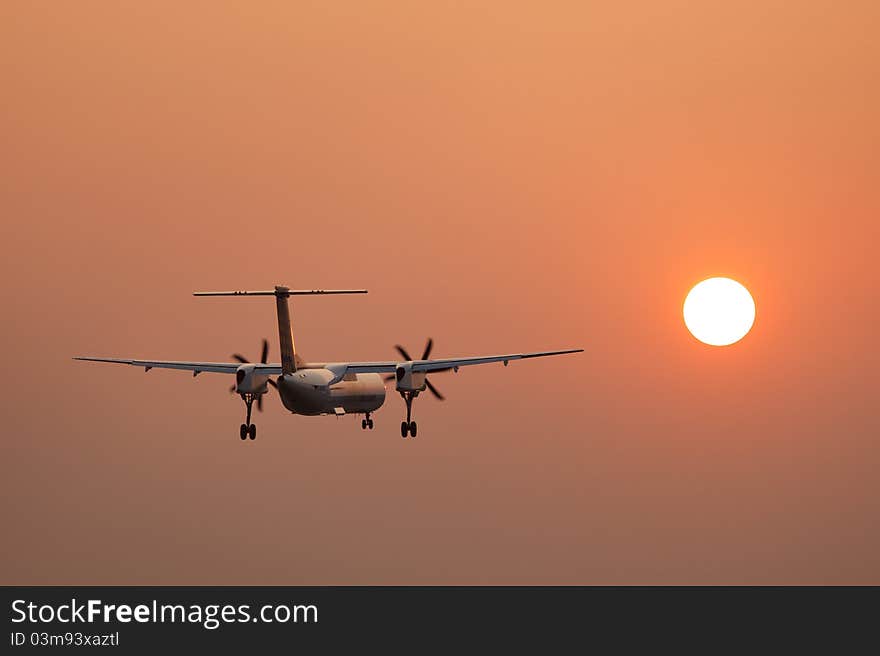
[238, 357]
[427, 352]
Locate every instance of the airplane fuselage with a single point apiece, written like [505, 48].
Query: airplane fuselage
[310, 392]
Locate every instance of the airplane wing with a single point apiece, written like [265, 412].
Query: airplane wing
[195, 367]
[340, 369]
[450, 363]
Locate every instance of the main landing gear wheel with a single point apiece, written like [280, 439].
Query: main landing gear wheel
[408, 427]
[248, 429]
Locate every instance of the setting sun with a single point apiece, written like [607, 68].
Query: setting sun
[719, 311]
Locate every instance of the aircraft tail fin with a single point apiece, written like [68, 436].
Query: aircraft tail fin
[289, 358]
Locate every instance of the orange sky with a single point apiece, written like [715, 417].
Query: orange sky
[501, 176]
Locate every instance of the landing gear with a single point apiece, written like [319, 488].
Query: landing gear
[367, 423]
[248, 429]
[408, 427]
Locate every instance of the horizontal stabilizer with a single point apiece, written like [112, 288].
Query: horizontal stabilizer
[283, 292]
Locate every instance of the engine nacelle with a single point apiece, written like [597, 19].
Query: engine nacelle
[248, 381]
[409, 380]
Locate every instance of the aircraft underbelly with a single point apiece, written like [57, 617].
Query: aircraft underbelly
[307, 393]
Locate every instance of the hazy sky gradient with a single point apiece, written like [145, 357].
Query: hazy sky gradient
[501, 176]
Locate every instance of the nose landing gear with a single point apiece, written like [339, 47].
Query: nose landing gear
[367, 423]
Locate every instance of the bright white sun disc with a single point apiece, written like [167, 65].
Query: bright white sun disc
[719, 311]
